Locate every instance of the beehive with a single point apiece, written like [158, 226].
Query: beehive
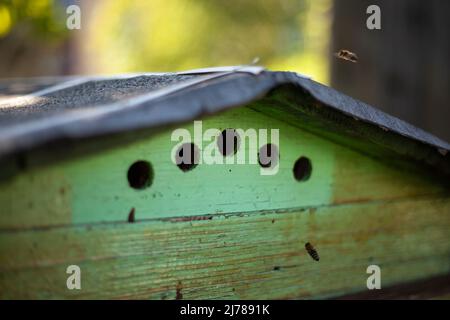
[374, 191]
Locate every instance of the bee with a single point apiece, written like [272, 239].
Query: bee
[347, 55]
[312, 252]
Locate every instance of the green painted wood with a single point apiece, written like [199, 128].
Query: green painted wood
[301, 110]
[94, 188]
[222, 231]
[435, 288]
[252, 256]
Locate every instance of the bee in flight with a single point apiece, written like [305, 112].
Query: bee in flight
[347, 55]
[312, 252]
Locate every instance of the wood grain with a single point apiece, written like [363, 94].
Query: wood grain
[94, 188]
[258, 255]
[436, 288]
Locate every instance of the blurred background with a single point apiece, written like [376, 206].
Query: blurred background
[403, 68]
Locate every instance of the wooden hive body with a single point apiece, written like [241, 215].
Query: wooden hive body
[222, 231]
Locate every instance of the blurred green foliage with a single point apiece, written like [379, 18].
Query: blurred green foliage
[39, 17]
[169, 35]
[119, 36]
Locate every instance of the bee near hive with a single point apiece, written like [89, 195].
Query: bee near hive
[312, 252]
[347, 55]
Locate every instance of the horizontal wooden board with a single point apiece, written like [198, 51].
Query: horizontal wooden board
[94, 188]
[435, 288]
[259, 255]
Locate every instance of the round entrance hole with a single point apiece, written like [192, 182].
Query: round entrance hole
[228, 142]
[140, 175]
[302, 169]
[268, 156]
[187, 156]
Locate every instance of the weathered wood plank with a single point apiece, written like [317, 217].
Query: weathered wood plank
[436, 288]
[94, 188]
[257, 255]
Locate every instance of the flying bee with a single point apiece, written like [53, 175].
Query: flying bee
[347, 55]
[312, 252]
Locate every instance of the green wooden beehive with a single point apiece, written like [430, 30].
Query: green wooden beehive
[88, 179]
